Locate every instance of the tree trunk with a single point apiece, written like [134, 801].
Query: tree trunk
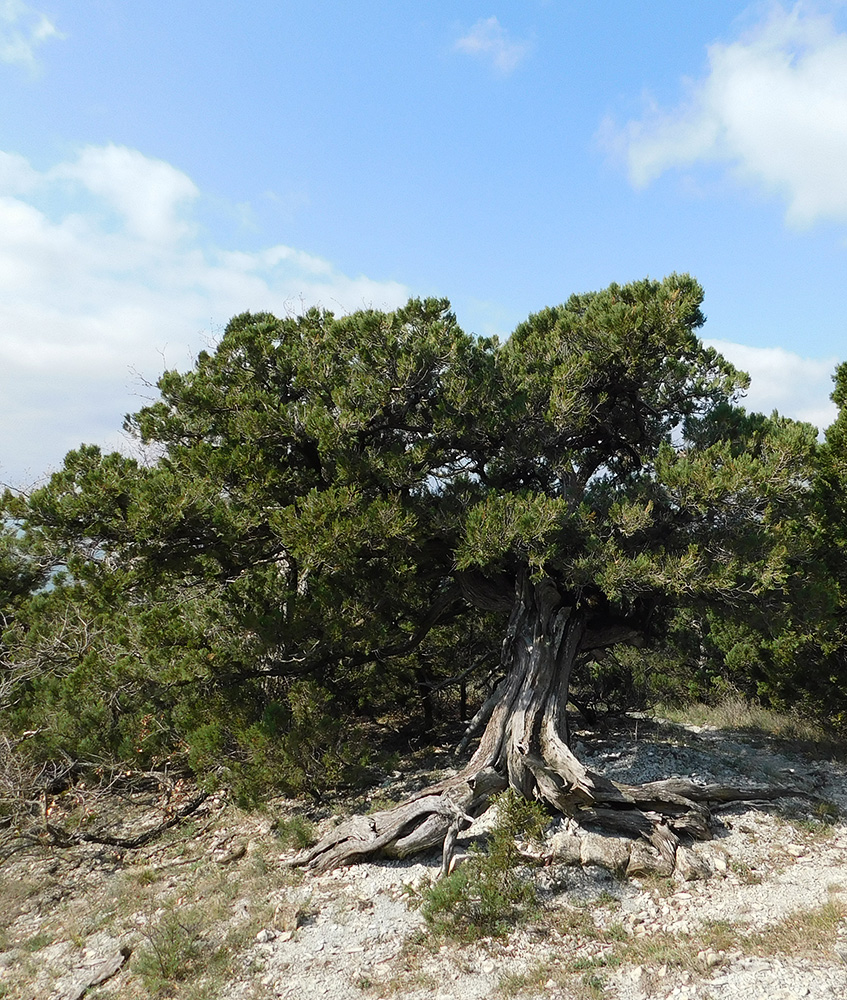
[525, 747]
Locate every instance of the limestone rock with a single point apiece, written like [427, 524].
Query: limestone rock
[565, 848]
[77, 984]
[689, 866]
[611, 853]
[646, 860]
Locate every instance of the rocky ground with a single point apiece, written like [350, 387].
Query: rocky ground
[212, 909]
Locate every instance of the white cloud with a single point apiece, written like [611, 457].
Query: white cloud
[773, 106]
[488, 39]
[22, 30]
[147, 193]
[781, 380]
[16, 175]
[116, 281]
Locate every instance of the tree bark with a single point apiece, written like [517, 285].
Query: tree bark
[524, 746]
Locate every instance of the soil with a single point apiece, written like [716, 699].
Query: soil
[766, 918]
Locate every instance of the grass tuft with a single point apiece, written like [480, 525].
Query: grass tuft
[296, 832]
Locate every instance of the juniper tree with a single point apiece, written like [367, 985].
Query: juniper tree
[348, 486]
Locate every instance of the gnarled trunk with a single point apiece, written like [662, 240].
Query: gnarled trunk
[524, 746]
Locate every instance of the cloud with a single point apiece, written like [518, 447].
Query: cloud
[781, 380]
[103, 275]
[488, 39]
[148, 194]
[773, 106]
[22, 30]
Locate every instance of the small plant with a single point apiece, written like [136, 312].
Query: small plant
[174, 951]
[748, 875]
[489, 893]
[146, 876]
[594, 985]
[827, 812]
[380, 802]
[37, 942]
[296, 832]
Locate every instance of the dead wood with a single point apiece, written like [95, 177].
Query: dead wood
[524, 746]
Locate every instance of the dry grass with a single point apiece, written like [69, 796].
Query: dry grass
[736, 713]
[187, 919]
[577, 965]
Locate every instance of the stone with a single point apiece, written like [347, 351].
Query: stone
[565, 848]
[646, 860]
[235, 854]
[611, 853]
[77, 984]
[688, 865]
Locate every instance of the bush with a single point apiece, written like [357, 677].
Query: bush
[492, 892]
[301, 744]
[174, 951]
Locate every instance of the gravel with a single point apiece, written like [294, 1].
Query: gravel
[764, 868]
[352, 933]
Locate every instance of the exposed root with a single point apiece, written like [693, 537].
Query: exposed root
[524, 747]
[430, 818]
[658, 813]
[60, 837]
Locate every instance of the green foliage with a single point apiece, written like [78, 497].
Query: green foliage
[299, 745]
[174, 951]
[340, 509]
[489, 893]
[296, 832]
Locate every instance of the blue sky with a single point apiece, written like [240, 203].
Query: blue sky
[165, 166]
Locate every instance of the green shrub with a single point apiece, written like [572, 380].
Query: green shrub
[174, 951]
[296, 831]
[491, 892]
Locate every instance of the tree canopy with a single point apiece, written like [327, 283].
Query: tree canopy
[327, 502]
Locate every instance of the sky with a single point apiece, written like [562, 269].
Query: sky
[165, 166]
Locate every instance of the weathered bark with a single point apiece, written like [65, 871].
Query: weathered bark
[524, 746]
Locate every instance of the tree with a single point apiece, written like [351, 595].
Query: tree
[826, 635]
[346, 487]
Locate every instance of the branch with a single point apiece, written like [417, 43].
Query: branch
[432, 617]
[61, 838]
